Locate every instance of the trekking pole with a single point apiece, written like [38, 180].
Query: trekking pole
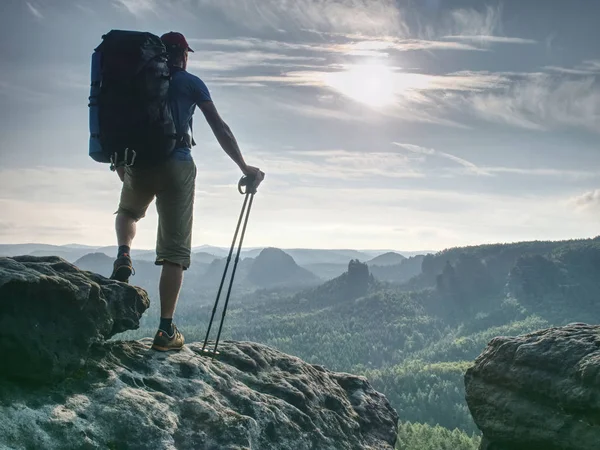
[249, 194]
[224, 274]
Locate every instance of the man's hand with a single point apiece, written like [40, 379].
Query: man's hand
[254, 173]
[121, 173]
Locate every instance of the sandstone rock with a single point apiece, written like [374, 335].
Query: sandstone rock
[540, 391]
[54, 324]
[250, 397]
[51, 313]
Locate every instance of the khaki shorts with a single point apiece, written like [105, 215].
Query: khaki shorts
[173, 185]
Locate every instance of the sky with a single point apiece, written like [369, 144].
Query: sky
[380, 124]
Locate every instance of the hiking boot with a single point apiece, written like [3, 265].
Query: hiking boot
[164, 343]
[122, 269]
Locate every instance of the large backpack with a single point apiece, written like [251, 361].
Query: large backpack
[130, 117]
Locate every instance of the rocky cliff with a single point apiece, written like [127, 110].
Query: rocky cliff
[539, 391]
[65, 385]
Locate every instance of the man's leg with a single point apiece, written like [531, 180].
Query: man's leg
[136, 195]
[125, 226]
[175, 206]
[171, 279]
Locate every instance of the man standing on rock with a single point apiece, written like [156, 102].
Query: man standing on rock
[173, 185]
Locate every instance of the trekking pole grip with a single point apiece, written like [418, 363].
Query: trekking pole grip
[249, 182]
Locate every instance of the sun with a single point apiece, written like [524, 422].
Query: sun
[371, 84]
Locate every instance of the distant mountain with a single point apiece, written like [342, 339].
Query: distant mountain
[251, 253]
[24, 249]
[356, 282]
[136, 254]
[387, 259]
[406, 253]
[96, 262]
[214, 271]
[324, 263]
[146, 275]
[203, 257]
[410, 253]
[217, 251]
[79, 246]
[70, 254]
[304, 256]
[399, 273]
[327, 271]
[274, 267]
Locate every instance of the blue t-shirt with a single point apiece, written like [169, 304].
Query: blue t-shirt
[185, 92]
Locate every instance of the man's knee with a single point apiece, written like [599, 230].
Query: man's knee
[183, 263]
[130, 214]
[172, 264]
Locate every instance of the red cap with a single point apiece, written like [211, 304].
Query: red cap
[174, 39]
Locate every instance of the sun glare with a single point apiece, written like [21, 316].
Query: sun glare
[371, 84]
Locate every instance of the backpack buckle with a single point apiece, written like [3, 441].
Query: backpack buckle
[125, 160]
[115, 163]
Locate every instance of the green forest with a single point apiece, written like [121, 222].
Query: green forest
[415, 340]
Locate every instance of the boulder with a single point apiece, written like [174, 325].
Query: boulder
[249, 397]
[64, 385]
[539, 391]
[51, 313]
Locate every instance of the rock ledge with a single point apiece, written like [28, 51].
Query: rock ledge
[252, 397]
[64, 386]
[539, 391]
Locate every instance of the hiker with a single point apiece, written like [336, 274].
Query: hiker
[173, 184]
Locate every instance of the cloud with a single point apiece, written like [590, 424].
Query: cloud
[226, 61]
[486, 39]
[402, 83]
[535, 101]
[482, 27]
[87, 9]
[463, 217]
[353, 45]
[470, 22]
[339, 164]
[468, 165]
[39, 184]
[256, 43]
[358, 91]
[589, 201]
[34, 10]
[297, 209]
[21, 93]
[543, 172]
[541, 102]
[348, 165]
[344, 109]
[319, 111]
[362, 42]
[138, 7]
[589, 67]
[372, 17]
[377, 46]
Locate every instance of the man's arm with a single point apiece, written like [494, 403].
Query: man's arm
[225, 136]
[222, 131]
